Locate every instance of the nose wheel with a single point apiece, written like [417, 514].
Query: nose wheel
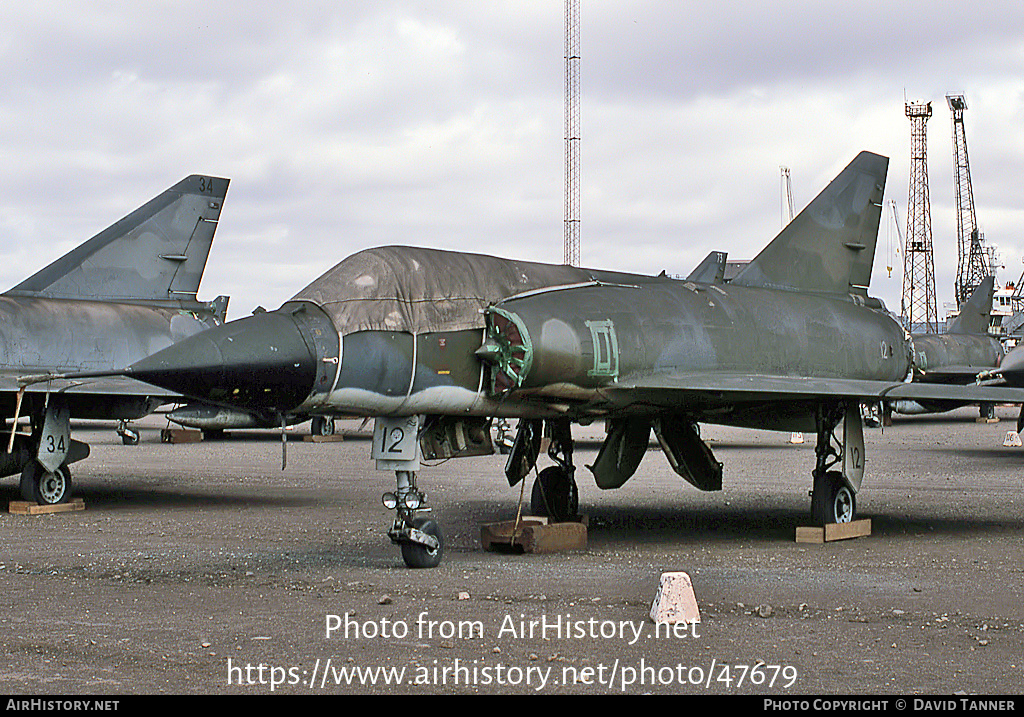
[419, 537]
[420, 554]
[396, 447]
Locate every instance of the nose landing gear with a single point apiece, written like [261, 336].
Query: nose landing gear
[396, 447]
[419, 537]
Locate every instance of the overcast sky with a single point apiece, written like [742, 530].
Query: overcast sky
[349, 125]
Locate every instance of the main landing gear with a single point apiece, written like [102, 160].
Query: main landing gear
[555, 493]
[833, 498]
[44, 455]
[322, 426]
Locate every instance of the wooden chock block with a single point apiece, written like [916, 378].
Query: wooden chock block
[834, 531]
[180, 435]
[534, 536]
[21, 507]
[675, 601]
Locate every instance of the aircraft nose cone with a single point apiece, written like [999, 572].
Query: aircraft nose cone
[260, 362]
[1012, 367]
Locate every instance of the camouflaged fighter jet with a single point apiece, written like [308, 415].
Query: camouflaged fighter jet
[435, 344]
[124, 294]
[1010, 372]
[957, 356]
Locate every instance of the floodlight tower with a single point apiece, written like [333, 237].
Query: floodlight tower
[918, 309]
[572, 133]
[973, 263]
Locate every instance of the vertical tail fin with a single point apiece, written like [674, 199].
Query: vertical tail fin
[158, 252]
[711, 270]
[829, 246]
[976, 312]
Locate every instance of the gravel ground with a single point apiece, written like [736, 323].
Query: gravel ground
[204, 568]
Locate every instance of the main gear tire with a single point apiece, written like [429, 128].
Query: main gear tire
[41, 486]
[832, 501]
[555, 495]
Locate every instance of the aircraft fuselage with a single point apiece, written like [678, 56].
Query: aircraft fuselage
[609, 332]
[614, 331]
[970, 353]
[41, 335]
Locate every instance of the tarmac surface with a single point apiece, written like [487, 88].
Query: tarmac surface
[204, 568]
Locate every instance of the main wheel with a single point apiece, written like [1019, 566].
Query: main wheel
[39, 485]
[322, 426]
[555, 495]
[832, 500]
[418, 556]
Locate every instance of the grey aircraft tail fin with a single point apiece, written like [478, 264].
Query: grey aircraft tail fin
[829, 247]
[158, 252]
[711, 270]
[975, 314]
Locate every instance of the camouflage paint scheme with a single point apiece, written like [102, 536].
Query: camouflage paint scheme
[957, 356]
[792, 342]
[126, 293]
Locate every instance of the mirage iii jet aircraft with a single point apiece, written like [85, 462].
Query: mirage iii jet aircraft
[958, 355]
[124, 294]
[435, 344]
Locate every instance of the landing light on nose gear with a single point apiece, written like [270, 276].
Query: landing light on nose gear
[419, 537]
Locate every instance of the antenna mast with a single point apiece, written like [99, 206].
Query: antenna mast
[572, 133]
[918, 308]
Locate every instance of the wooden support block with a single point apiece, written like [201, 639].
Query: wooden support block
[555, 537]
[499, 535]
[21, 507]
[180, 435]
[845, 531]
[534, 536]
[834, 531]
[810, 535]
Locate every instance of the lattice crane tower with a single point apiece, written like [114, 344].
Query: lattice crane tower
[973, 263]
[572, 133]
[918, 309]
